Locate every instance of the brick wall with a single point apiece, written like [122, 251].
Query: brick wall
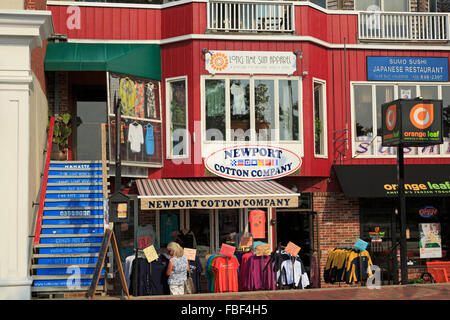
[35, 4]
[337, 223]
[62, 90]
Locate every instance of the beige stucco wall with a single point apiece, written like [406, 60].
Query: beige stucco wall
[38, 141]
[12, 4]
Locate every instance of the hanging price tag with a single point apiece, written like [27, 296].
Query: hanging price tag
[292, 249]
[227, 250]
[263, 250]
[246, 242]
[190, 253]
[150, 254]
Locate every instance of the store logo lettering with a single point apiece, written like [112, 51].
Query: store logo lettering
[219, 61]
[74, 19]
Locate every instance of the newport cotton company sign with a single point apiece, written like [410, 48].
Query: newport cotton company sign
[254, 62]
[253, 162]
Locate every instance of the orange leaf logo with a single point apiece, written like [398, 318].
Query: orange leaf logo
[421, 115]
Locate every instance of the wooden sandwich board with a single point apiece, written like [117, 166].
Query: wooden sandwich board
[108, 238]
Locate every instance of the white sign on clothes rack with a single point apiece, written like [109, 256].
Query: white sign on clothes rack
[251, 62]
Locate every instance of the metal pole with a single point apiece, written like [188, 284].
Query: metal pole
[394, 247]
[118, 177]
[402, 206]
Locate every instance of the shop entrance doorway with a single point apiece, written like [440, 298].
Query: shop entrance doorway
[294, 226]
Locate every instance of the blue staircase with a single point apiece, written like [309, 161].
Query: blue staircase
[72, 229]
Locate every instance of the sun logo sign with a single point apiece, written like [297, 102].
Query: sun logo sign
[391, 117]
[421, 115]
[219, 61]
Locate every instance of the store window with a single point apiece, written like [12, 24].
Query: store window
[320, 124]
[421, 214]
[177, 115]
[241, 108]
[228, 226]
[366, 117]
[169, 226]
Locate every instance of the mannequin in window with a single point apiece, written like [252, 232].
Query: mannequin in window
[186, 239]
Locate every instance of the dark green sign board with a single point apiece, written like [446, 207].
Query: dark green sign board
[412, 122]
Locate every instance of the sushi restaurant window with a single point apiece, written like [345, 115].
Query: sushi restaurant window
[367, 98]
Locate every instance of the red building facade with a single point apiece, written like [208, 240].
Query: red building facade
[337, 112]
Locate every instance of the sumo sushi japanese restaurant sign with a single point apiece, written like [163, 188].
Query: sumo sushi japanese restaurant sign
[412, 122]
[253, 162]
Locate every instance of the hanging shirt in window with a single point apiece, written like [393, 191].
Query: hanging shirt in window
[127, 94]
[169, 224]
[257, 219]
[239, 99]
[139, 105]
[135, 137]
[149, 140]
[151, 108]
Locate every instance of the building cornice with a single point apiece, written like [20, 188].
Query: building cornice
[29, 26]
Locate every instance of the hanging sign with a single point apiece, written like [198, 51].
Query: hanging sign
[190, 253]
[253, 162]
[376, 236]
[150, 254]
[251, 62]
[361, 245]
[227, 250]
[292, 249]
[430, 244]
[407, 68]
[245, 242]
[412, 122]
[263, 250]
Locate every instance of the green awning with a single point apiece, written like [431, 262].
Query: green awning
[141, 60]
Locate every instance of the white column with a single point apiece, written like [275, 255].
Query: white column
[20, 32]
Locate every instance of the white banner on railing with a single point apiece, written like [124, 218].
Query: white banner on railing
[251, 62]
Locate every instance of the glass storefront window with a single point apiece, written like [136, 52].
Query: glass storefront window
[215, 109]
[199, 222]
[169, 224]
[228, 226]
[363, 112]
[288, 101]
[240, 110]
[264, 110]
[177, 115]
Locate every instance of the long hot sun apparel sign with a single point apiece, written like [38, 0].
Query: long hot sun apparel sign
[253, 162]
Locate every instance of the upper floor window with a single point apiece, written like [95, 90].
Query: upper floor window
[383, 5]
[320, 122]
[177, 117]
[244, 108]
[367, 99]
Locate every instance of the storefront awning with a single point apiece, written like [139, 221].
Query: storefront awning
[161, 194]
[380, 181]
[141, 60]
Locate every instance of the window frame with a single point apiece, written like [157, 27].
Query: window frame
[253, 132]
[375, 142]
[323, 83]
[169, 147]
[382, 6]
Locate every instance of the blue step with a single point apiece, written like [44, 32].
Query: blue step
[67, 260]
[74, 180]
[74, 173]
[74, 204]
[64, 271]
[69, 250]
[75, 165]
[73, 213]
[75, 188]
[71, 221]
[63, 283]
[72, 231]
[66, 240]
[73, 195]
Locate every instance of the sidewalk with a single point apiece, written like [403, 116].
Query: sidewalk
[439, 291]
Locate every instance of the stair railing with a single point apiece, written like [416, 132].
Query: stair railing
[40, 213]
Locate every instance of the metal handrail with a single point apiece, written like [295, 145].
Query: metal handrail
[38, 226]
